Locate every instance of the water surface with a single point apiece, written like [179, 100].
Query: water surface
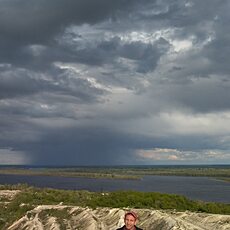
[197, 188]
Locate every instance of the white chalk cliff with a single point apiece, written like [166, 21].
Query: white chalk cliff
[59, 217]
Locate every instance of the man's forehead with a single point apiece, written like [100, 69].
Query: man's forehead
[131, 214]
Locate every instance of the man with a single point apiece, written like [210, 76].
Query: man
[130, 221]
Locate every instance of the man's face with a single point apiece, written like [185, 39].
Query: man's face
[130, 221]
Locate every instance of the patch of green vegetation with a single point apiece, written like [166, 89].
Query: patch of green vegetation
[155, 200]
[58, 213]
[61, 216]
[89, 173]
[4, 199]
[30, 197]
[13, 186]
[11, 212]
[222, 173]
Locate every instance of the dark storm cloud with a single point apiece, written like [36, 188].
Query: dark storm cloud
[207, 28]
[145, 56]
[96, 82]
[218, 49]
[29, 33]
[36, 21]
[208, 23]
[24, 23]
[19, 83]
[81, 146]
[101, 146]
[201, 95]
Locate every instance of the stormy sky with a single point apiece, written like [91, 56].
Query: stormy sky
[114, 82]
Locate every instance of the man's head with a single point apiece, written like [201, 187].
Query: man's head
[130, 220]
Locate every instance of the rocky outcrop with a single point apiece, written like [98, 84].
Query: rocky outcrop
[57, 217]
[8, 194]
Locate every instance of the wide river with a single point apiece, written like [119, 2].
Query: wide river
[197, 188]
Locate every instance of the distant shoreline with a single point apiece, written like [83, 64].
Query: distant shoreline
[220, 172]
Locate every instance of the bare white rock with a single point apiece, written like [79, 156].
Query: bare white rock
[80, 218]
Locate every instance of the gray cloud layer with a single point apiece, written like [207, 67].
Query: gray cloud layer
[114, 82]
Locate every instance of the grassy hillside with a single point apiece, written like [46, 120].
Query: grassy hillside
[30, 197]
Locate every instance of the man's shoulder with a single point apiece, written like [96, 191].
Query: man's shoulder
[121, 228]
[138, 228]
